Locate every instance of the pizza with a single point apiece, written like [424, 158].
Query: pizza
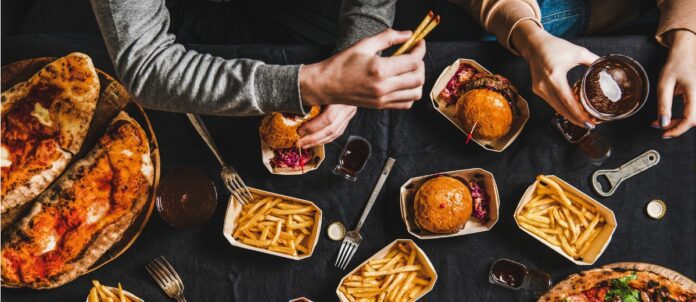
[87, 210]
[623, 282]
[44, 122]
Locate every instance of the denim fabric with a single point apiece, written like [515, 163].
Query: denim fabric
[562, 18]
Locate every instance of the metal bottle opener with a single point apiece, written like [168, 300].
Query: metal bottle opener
[627, 170]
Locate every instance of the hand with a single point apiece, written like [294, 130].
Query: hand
[357, 76]
[678, 77]
[550, 58]
[327, 126]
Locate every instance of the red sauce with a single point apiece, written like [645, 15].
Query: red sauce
[186, 198]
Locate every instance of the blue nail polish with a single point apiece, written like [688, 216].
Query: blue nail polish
[664, 120]
[588, 125]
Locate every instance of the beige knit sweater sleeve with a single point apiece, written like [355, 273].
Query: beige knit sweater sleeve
[675, 14]
[500, 17]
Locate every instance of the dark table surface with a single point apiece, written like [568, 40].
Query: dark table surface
[422, 142]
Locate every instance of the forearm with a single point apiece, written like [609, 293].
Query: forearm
[363, 18]
[525, 37]
[164, 75]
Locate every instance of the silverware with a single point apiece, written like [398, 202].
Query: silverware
[616, 176]
[229, 175]
[352, 240]
[167, 278]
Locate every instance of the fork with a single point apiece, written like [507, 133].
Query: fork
[167, 278]
[229, 175]
[352, 240]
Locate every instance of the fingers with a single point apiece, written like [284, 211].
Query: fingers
[393, 100]
[665, 93]
[404, 63]
[565, 94]
[543, 90]
[327, 126]
[587, 57]
[383, 40]
[689, 120]
[413, 79]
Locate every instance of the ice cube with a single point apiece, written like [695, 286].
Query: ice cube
[609, 87]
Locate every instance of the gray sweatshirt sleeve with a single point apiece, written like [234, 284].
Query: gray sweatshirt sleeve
[164, 75]
[363, 18]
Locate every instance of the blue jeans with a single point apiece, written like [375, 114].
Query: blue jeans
[570, 18]
[562, 18]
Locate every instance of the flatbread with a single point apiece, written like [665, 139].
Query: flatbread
[44, 123]
[678, 287]
[89, 208]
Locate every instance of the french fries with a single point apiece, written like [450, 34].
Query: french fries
[101, 293]
[276, 225]
[561, 218]
[397, 276]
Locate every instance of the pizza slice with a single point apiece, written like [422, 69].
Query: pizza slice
[617, 284]
[80, 217]
[44, 122]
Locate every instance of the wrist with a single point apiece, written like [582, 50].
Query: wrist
[525, 36]
[681, 39]
[309, 83]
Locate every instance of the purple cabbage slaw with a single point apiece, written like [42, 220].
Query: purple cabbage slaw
[291, 157]
[480, 201]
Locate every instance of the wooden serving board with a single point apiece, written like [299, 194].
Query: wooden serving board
[113, 98]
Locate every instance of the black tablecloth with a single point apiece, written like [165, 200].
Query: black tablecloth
[422, 142]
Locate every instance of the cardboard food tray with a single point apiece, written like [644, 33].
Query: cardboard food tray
[314, 163]
[409, 189]
[599, 244]
[422, 257]
[129, 295]
[234, 208]
[449, 112]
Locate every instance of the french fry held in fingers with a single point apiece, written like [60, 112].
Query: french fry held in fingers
[424, 28]
[398, 275]
[561, 218]
[275, 224]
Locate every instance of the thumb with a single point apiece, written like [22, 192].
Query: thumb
[587, 57]
[383, 40]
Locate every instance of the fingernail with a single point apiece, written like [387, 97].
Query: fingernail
[589, 125]
[664, 120]
[656, 126]
[666, 137]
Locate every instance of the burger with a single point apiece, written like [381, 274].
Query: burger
[279, 132]
[485, 106]
[485, 102]
[442, 205]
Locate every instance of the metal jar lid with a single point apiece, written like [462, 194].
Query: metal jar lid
[656, 209]
[336, 231]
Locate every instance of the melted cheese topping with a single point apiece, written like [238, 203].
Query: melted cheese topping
[41, 113]
[126, 152]
[49, 243]
[146, 167]
[5, 157]
[96, 211]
